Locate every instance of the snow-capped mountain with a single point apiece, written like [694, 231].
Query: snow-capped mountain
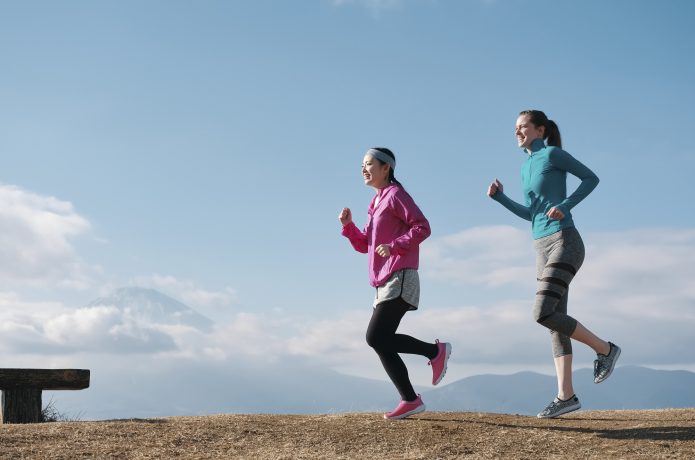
[153, 307]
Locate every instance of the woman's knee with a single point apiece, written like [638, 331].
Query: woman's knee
[379, 344]
[377, 339]
[540, 314]
[372, 339]
[382, 327]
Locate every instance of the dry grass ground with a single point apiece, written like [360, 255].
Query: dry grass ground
[431, 435]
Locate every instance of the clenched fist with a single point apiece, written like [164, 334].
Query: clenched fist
[492, 189]
[384, 250]
[345, 216]
[556, 214]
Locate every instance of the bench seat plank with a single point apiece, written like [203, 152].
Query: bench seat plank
[44, 379]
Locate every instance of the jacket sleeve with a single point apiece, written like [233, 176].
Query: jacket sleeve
[563, 160]
[405, 209]
[519, 209]
[357, 238]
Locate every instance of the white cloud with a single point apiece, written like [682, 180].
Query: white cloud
[21, 321]
[332, 339]
[136, 327]
[188, 292]
[35, 246]
[54, 329]
[648, 260]
[491, 256]
[635, 288]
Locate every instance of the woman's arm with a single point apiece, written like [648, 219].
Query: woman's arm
[357, 238]
[404, 208]
[495, 191]
[563, 160]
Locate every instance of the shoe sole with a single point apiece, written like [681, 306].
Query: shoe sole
[615, 360]
[417, 410]
[564, 411]
[447, 346]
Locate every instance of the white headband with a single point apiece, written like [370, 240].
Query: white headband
[379, 155]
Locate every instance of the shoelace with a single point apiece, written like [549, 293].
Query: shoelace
[553, 404]
[597, 365]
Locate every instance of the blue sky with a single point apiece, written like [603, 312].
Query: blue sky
[206, 148]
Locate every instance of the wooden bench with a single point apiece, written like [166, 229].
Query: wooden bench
[21, 390]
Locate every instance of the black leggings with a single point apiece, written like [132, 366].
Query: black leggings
[381, 335]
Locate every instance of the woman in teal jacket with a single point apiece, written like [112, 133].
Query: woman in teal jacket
[559, 247]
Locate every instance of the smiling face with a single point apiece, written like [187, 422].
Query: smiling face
[375, 173]
[526, 132]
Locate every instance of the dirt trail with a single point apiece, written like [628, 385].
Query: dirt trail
[431, 435]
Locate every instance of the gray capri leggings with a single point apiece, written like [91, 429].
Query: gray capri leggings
[558, 258]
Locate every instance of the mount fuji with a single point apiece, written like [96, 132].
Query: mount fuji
[153, 307]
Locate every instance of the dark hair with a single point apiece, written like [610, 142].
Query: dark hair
[392, 177]
[552, 132]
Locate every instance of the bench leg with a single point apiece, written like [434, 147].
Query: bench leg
[21, 405]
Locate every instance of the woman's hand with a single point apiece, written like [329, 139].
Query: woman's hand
[345, 216]
[492, 189]
[384, 250]
[556, 214]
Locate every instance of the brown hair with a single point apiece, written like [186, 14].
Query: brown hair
[552, 132]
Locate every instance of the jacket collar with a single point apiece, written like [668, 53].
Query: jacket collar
[536, 145]
[382, 196]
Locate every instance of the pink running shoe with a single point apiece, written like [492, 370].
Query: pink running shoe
[439, 362]
[406, 409]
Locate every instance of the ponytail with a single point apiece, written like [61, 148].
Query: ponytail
[392, 178]
[552, 132]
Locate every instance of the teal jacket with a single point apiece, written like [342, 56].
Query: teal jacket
[544, 181]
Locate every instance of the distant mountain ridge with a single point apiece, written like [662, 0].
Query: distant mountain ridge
[209, 388]
[526, 393]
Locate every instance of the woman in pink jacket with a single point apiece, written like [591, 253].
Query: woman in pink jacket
[391, 239]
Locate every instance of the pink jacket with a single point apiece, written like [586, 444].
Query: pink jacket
[396, 221]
